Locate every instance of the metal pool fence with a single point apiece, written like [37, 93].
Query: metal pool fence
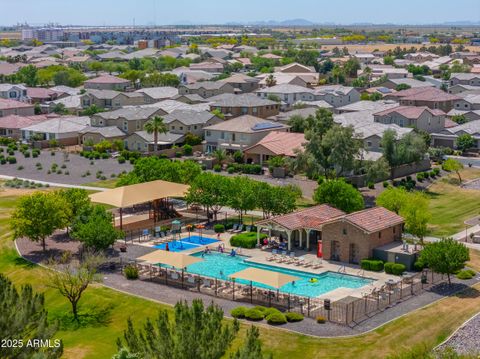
[346, 311]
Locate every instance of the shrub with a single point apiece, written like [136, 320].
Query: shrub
[178, 154]
[253, 314]
[420, 177]
[238, 312]
[371, 185]
[217, 168]
[26, 154]
[219, 228]
[293, 317]
[398, 268]
[246, 240]
[418, 266]
[269, 311]
[385, 184]
[321, 320]
[436, 170]
[260, 308]
[426, 175]
[131, 272]
[11, 160]
[371, 264]
[388, 267]
[276, 319]
[121, 159]
[432, 174]
[104, 156]
[19, 168]
[187, 150]
[52, 153]
[471, 271]
[230, 170]
[464, 274]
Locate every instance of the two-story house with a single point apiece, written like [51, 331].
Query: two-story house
[110, 99]
[468, 103]
[242, 83]
[13, 92]
[424, 96]
[183, 121]
[239, 133]
[465, 79]
[245, 104]
[12, 107]
[337, 95]
[287, 94]
[206, 89]
[107, 82]
[422, 118]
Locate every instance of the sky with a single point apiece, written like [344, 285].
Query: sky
[168, 12]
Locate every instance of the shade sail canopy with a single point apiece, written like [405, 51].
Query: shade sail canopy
[139, 193]
[270, 278]
[174, 259]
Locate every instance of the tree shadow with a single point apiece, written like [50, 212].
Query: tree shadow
[22, 262]
[98, 316]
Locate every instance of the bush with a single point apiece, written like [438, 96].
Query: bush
[26, 154]
[11, 160]
[419, 266]
[371, 264]
[238, 312]
[436, 170]
[246, 240]
[131, 272]
[187, 150]
[230, 170]
[217, 168]
[398, 268]
[276, 319]
[321, 320]
[420, 177]
[253, 314]
[178, 154]
[388, 267]
[385, 184]
[19, 168]
[121, 159]
[371, 185]
[293, 317]
[269, 311]
[219, 228]
[432, 174]
[466, 274]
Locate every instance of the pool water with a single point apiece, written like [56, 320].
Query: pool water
[217, 265]
[187, 243]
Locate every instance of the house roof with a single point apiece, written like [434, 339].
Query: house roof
[374, 219]
[15, 121]
[411, 82]
[159, 92]
[410, 112]
[299, 68]
[239, 78]
[60, 125]
[107, 79]
[243, 100]
[247, 124]
[368, 106]
[111, 94]
[11, 104]
[189, 117]
[105, 131]
[313, 218]
[464, 76]
[162, 139]
[40, 92]
[285, 89]
[431, 94]
[129, 113]
[281, 143]
[207, 85]
[336, 90]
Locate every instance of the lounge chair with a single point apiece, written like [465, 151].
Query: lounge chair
[291, 258]
[317, 264]
[239, 229]
[234, 228]
[283, 257]
[157, 232]
[248, 228]
[308, 264]
[174, 275]
[300, 261]
[273, 256]
[191, 280]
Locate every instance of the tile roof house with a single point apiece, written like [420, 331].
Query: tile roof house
[239, 133]
[468, 102]
[337, 95]
[242, 83]
[63, 129]
[465, 79]
[41, 95]
[183, 121]
[425, 96]
[11, 125]
[206, 89]
[107, 82]
[13, 92]
[155, 94]
[413, 83]
[275, 144]
[111, 99]
[422, 118]
[288, 94]
[448, 137]
[12, 107]
[144, 142]
[244, 104]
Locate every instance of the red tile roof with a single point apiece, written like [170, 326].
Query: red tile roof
[107, 79]
[424, 94]
[374, 219]
[40, 92]
[15, 121]
[11, 104]
[280, 143]
[411, 112]
[313, 217]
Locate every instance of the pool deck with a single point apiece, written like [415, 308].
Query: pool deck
[260, 257]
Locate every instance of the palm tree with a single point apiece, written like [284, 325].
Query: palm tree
[220, 156]
[155, 126]
[270, 81]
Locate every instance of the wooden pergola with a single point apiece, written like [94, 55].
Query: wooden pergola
[154, 192]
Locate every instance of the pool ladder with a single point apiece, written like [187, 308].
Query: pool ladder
[342, 269]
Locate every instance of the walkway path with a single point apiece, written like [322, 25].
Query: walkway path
[55, 184]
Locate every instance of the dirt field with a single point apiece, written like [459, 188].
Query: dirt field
[11, 35]
[383, 47]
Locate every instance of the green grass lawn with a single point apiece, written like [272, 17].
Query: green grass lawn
[105, 312]
[451, 205]
[108, 183]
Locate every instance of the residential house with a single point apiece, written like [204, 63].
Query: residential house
[457, 89]
[422, 118]
[468, 103]
[13, 92]
[387, 71]
[144, 142]
[365, 58]
[42, 95]
[413, 83]
[110, 99]
[183, 121]
[284, 144]
[471, 115]
[239, 133]
[207, 66]
[96, 134]
[287, 94]
[425, 96]
[421, 57]
[206, 89]
[107, 82]
[155, 94]
[375, 106]
[448, 137]
[192, 99]
[242, 83]
[64, 130]
[337, 95]
[245, 104]
[464, 79]
[12, 107]
[11, 125]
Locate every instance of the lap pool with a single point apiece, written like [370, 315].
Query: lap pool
[221, 266]
[187, 243]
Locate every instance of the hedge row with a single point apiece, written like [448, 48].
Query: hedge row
[371, 264]
[271, 315]
[394, 268]
[246, 240]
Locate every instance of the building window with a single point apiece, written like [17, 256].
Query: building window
[172, 127]
[208, 134]
[222, 135]
[344, 231]
[379, 234]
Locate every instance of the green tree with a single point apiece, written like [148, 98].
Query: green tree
[252, 347]
[217, 112]
[339, 194]
[453, 165]
[73, 278]
[377, 170]
[37, 216]
[194, 332]
[446, 256]
[344, 146]
[270, 81]
[76, 200]
[156, 126]
[123, 353]
[23, 316]
[93, 227]
[459, 119]
[465, 142]
[401, 87]
[91, 110]
[416, 214]
[60, 109]
[28, 74]
[393, 199]
[351, 67]
[297, 123]
[243, 198]
[388, 60]
[220, 156]
[274, 200]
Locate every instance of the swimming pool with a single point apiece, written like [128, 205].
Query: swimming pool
[187, 243]
[220, 266]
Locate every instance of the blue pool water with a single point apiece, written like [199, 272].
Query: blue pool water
[220, 266]
[187, 243]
